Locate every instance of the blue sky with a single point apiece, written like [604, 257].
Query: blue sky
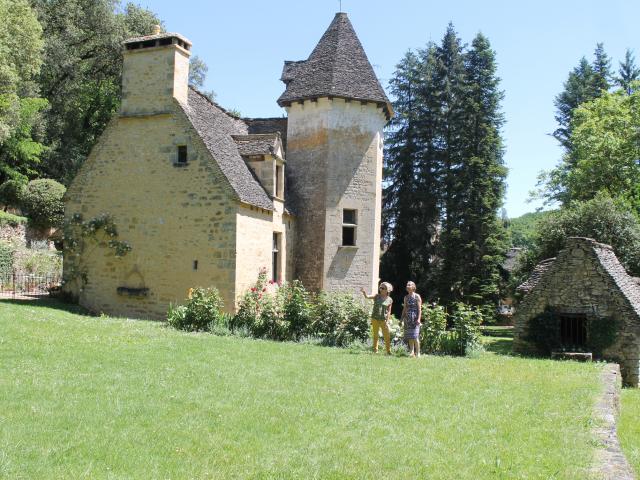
[244, 43]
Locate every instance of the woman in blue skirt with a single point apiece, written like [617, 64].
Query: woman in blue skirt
[412, 319]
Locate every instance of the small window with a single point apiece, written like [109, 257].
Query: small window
[182, 155]
[275, 258]
[573, 331]
[349, 226]
[195, 264]
[349, 217]
[279, 181]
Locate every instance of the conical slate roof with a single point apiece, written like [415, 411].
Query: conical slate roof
[337, 67]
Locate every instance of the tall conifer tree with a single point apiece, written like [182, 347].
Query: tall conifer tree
[400, 208]
[444, 172]
[483, 174]
[628, 72]
[449, 83]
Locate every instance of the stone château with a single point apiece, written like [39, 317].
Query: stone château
[208, 199]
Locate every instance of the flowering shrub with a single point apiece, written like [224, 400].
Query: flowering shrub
[201, 312]
[287, 312]
[339, 319]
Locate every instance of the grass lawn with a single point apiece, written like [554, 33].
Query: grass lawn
[89, 397]
[629, 426]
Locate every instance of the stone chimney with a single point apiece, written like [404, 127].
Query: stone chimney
[154, 72]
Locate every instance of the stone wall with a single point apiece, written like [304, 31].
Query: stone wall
[334, 162]
[586, 278]
[172, 216]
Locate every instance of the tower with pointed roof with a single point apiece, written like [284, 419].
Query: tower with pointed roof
[336, 113]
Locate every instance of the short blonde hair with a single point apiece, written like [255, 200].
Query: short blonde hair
[388, 285]
[411, 284]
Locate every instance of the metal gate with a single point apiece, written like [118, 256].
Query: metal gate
[25, 285]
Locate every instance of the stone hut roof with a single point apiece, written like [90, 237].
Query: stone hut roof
[269, 125]
[337, 67]
[626, 284]
[536, 275]
[257, 143]
[216, 128]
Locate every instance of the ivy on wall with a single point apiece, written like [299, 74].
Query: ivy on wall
[544, 333]
[81, 236]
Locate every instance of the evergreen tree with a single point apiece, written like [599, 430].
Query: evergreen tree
[449, 83]
[401, 147]
[628, 72]
[444, 173]
[585, 82]
[577, 89]
[428, 172]
[483, 174]
[601, 70]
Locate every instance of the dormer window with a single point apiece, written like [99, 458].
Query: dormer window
[182, 155]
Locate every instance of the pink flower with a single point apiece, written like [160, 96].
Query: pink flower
[253, 289]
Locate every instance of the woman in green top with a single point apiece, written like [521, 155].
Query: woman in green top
[380, 315]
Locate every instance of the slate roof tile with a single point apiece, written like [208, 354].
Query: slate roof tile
[216, 127]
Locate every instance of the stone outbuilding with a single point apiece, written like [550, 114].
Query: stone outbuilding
[205, 198]
[582, 300]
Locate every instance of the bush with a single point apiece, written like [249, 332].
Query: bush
[466, 325]
[41, 200]
[434, 328]
[6, 259]
[10, 219]
[297, 309]
[38, 262]
[275, 312]
[462, 339]
[202, 312]
[340, 320]
[11, 193]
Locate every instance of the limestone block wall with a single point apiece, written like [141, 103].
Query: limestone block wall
[254, 244]
[334, 162]
[578, 282]
[265, 171]
[152, 77]
[172, 217]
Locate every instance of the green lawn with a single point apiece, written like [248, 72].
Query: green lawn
[629, 426]
[95, 397]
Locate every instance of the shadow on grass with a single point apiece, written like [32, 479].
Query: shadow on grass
[48, 302]
[499, 346]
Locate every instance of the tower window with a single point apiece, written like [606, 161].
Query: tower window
[182, 155]
[349, 227]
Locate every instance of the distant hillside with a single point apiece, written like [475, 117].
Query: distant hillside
[522, 229]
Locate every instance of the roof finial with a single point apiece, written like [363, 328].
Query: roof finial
[156, 30]
[340, 2]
